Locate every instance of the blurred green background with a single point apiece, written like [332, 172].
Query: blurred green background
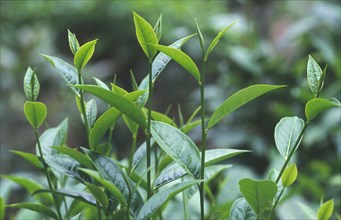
[269, 44]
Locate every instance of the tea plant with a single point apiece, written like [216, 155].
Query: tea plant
[88, 183]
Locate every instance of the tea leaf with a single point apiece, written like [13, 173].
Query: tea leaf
[314, 74]
[216, 40]
[81, 158]
[120, 102]
[103, 149]
[201, 38]
[158, 28]
[317, 105]
[157, 200]
[35, 207]
[287, 132]
[169, 174]
[289, 175]
[178, 146]
[258, 193]
[73, 42]
[241, 210]
[158, 116]
[33, 159]
[190, 126]
[132, 126]
[181, 58]
[145, 36]
[67, 71]
[326, 210]
[101, 83]
[239, 99]
[81, 196]
[31, 85]
[83, 54]
[140, 153]
[91, 112]
[216, 155]
[98, 194]
[35, 113]
[2, 208]
[117, 89]
[76, 217]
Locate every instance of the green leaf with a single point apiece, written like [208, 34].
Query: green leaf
[98, 194]
[326, 210]
[190, 126]
[132, 126]
[239, 99]
[140, 153]
[91, 112]
[73, 42]
[76, 217]
[81, 158]
[317, 105]
[201, 38]
[81, 196]
[117, 89]
[258, 193]
[145, 36]
[241, 210]
[158, 28]
[289, 175]
[133, 81]
[154, 203]
[181, 58]
[31, 85]
[287, 131]
[216, 155]
[103, 149]
[2, 208]
[168, 174]
[35, 113]
[158, 116]
[33, 159]
[178, 146]
[216, 40]
[67, 71]
[35, 207]
[120, 102]
[83, 54]
[314, 74]
[101, 83]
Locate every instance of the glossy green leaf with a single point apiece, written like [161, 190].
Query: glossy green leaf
[73, 42]
[140, 153]
[145, 36]
[158, 28]
[120, 102]
[181, 58]
[287, 131]
[157, 200]
[91, 112]
[314, 74]
[98, 194]
[103, 149]
[101, 84]
[158, 116]
[241, 210]
[2, 208]
[239, 99]
[81, 196]
[216, 40]
[119, 90]
[190, 126]
[168, 174]
[289, 175]
[326, 210]
[36, 208]
[201, 38]
[76, 217]
[35, 113]
[258, 193]
[33, 159]
[132, 126]
[67, 71]
[317, 105]
[78, 156]
[217, 155]
[83, 54]
[133, 81]
[31, 85]
[178, 146]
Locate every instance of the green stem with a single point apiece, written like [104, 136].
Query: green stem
[203, 140]
[54, 197]
[132, 151]
[150, 94]
[98, 210]
[83, 108]
[291, 152]
[184, 202]
[276, 202]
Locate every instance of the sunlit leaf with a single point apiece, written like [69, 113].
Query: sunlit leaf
[241, 210]
[317, 105]
[73, 42]
[326, 210]
[91, 112]
[158, 28]
[289, 175]
[217, 155]
[35, 113]
[33, 159]
[201, 38]
[81, 158]
[83, 54]
[36, 208]
[314, 74]
[101, 83]
[31, 85]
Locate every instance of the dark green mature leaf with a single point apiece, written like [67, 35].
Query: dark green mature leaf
[289, 175]
[81, 158]
[326, 210]
[168, 174]
[241, 210]
[31, 85]
[67, 71]
[73, 42]
[35, 207]
[216, 155]
[287, 131]
[239, 99]
[178, 146]
[145, 36]
[317, 105]
[83, 54]
[181, 58]
[81, 196]
[314, 74]
[98, 194]
[120, 102]
[33, 159]
[2, 208]
[258, 193]
[158, 28]
[91, 112]
[140, 153]
[157, 200]
[35, 113]
[216, 40]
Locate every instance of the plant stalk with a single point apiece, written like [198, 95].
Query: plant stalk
[150, 94]
[83, 108]
[276, 202]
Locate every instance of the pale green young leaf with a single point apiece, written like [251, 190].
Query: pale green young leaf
[317, 105]
[98, 194]
[158, 116]
[239, 99]
[73, 42]
[217, 155]
[91, 112]
[145, 36]
[289, 175]
[216, 40]
[76, 217]
[117, 89]
[36, 208]
[133, 81]
[321, 81]
[154, 203]
[241, 210]
[326, 210]
[2, 208]
[181, 58]
[33, 159]
[78, 156]
[190, 126]
[201, 38]
[31, 85]
[314, 74]
[81, 196]
[83, 54]
[100, 83]
[67, 71]
[178, 146]
[258, 193]
[35, 113]
[158, 28]
[287, 131]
